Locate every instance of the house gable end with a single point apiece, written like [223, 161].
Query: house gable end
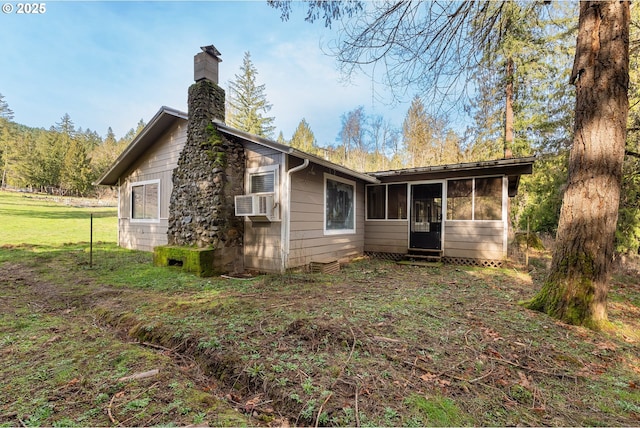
[141, 144]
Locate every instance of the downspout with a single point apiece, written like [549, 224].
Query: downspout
[286, 221]
[119, 217]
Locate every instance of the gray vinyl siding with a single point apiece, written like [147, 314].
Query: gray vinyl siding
[262, 249]
[262, 240]
[308, 241]
[258, 155]
[474, 239]
[142, 236]
[387, 236]
[157, 164]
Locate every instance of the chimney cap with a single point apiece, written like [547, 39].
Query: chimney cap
[212, 51]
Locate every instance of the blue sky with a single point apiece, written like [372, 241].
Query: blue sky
[112, 63]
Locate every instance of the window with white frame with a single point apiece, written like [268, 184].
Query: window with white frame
[145, 200]
[264, 180]
[474, 199]
[339, 205]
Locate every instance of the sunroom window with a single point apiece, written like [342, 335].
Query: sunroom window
[474, 199]
[460, 199]
[488, 199]
[376, 202]
[387, 202]
[397, 196]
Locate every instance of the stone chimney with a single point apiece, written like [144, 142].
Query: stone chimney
[209, 174]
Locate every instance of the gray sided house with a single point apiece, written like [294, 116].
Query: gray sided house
[188, 180]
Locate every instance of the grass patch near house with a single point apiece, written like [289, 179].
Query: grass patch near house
[375, 344]
[30, 218]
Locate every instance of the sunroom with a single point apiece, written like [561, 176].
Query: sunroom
[458, 213]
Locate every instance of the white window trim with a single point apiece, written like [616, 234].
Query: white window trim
[324, 206]
[276, 185]
[262, 170]
[143, 183]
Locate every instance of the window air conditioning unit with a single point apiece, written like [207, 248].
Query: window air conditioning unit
[256, 207]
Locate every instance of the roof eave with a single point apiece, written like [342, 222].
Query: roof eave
[457, 167]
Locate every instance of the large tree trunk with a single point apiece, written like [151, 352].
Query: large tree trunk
[576, 289]
[508, 119]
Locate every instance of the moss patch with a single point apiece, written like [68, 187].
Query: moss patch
[194, 260]
[214, 146]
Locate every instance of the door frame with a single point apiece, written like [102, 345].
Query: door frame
[410, 212]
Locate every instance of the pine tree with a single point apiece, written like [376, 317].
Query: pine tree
[5, 111]
[103, 156]
[426, 138]
[576, 288]
[303, 138]
[247, 105]
[628, 228]
[76, 171]
[6, 138]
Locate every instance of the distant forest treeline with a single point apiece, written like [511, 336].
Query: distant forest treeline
[60, 160]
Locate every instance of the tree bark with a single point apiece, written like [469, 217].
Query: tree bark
[576, 288]
[508, 120]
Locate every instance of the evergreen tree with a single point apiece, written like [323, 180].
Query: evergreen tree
[76, 174]
[129, 136]
[576, 287]
[303, 138]
[66, 127]
[6, 139]
[39, 161]
[416, 133]
[628, 228]
[522, 104]
[426, 138]
[247, 105]
[8, 135]
[5, 111]
[104, 154]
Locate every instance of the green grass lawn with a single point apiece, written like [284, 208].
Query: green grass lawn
[27, 218]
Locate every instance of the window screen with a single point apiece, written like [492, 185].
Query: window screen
[397, 201]
[376, 202]
[460, 199]
[263, 182]
[488, 199]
